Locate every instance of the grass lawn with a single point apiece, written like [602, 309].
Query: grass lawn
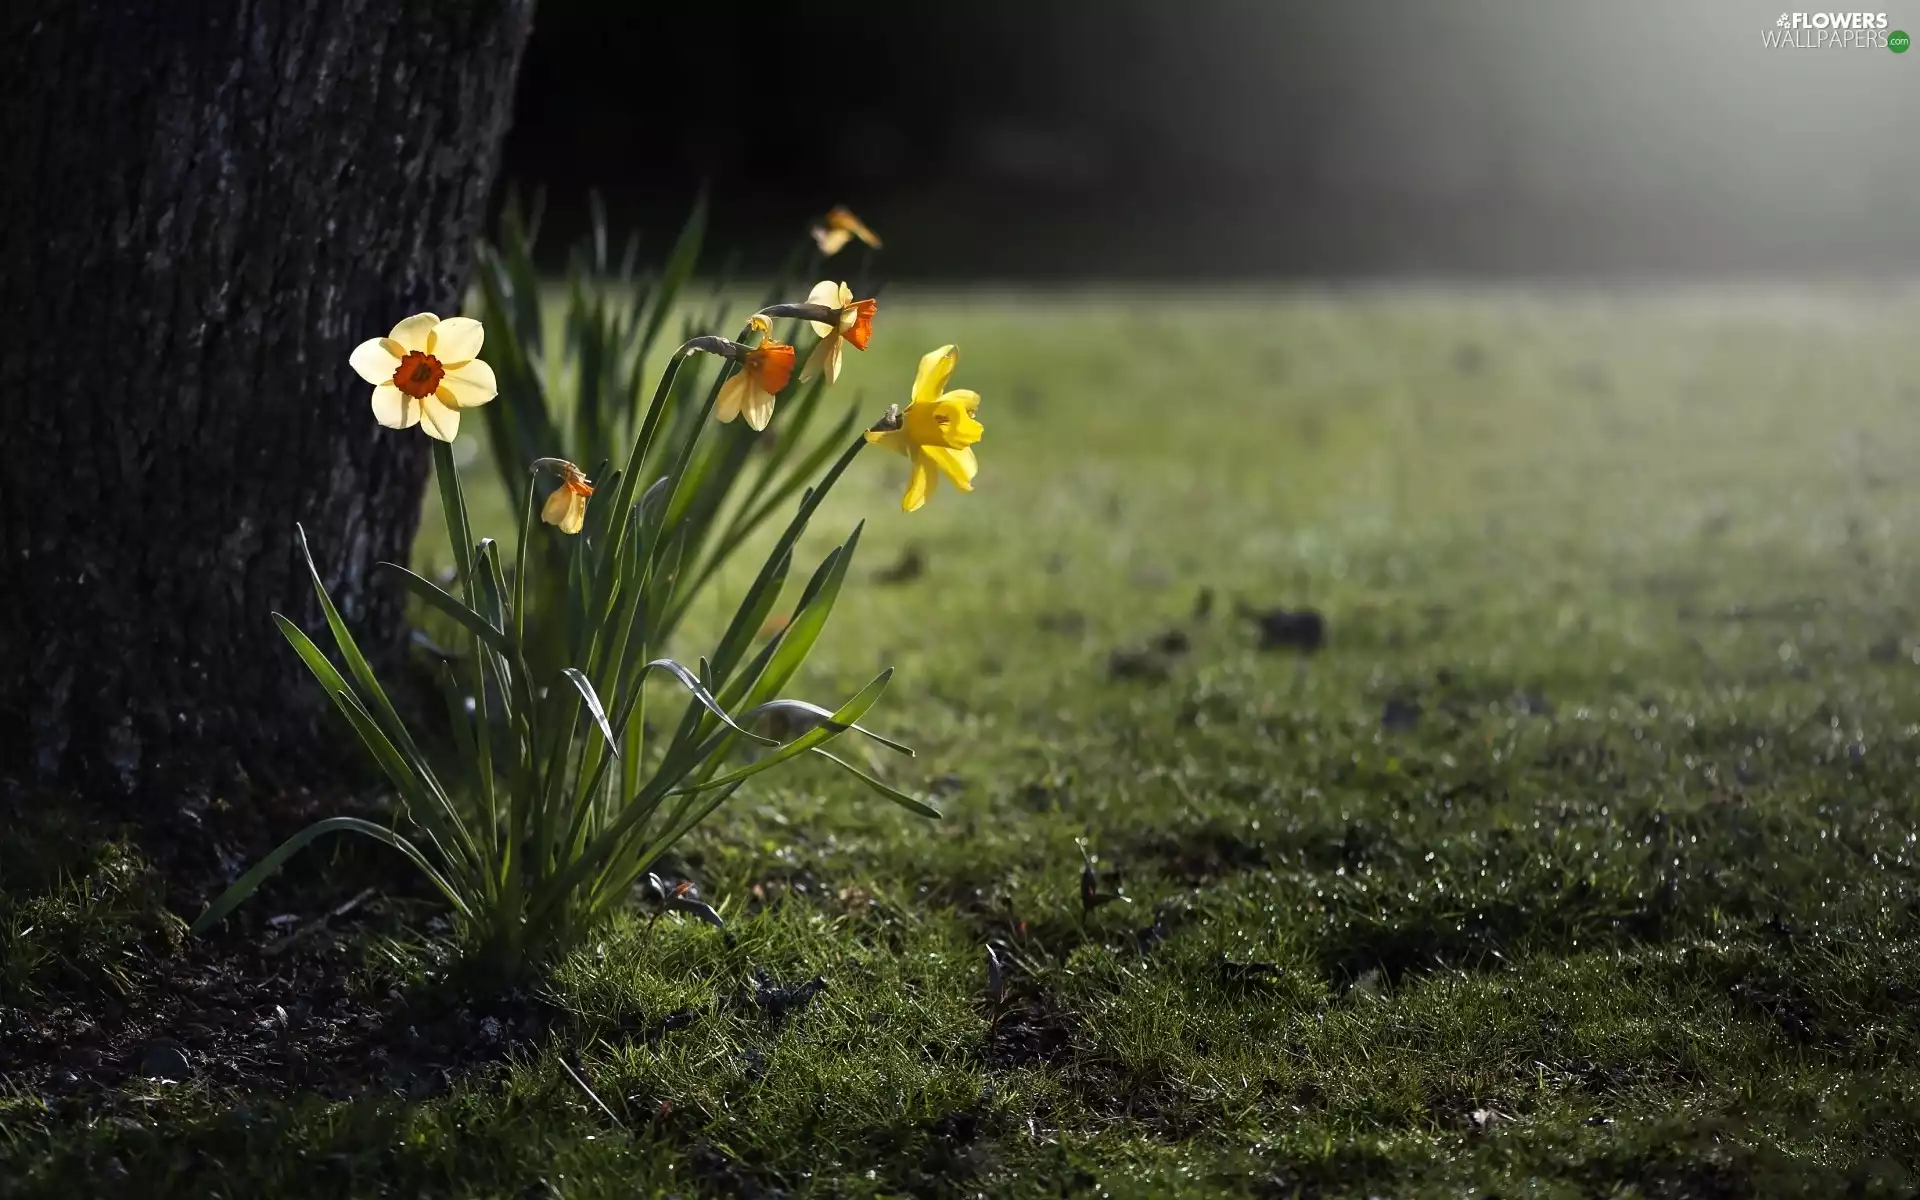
[1581, 860]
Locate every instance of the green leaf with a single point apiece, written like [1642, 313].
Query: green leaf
[796, 641]
[843, 718]
[910, 803]
[470, 620]
[680, 263]
[592, 698]
[814, 715]
[247, 884]
[453, 504]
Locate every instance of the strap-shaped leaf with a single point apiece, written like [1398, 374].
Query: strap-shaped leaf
[910, 803]
[812, 715]
[247, 884]
[468, 619]
[424, 798]
[842, 719]
[680, 263]
[592, 699]
[379, 746]
[453, 504]
[797, 639]
[750, 617]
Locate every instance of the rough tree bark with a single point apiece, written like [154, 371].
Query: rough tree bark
[204, 205]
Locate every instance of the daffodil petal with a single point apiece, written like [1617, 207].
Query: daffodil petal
[372, 361]
[726, 406]
[830, 241]
[757, 408]
[829, 294]
[471, 384]
[439, 420]
[895, 440]
[919, 483]
[817, 361]
[958, 465]
[457, 339]
[412, 333]
[554, 511]
[936, 367]
[576, 518]
[394, 408]
[967, 397]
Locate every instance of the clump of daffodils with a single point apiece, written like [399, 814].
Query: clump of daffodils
[567, 783]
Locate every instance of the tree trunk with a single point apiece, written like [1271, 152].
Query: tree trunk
[204, 206]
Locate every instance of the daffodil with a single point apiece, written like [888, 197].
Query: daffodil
[567, 506]
[425, 372]
[936, 431]
[848, 320]
[764, 370]
[833, 232]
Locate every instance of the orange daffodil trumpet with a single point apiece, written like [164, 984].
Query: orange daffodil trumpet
[424, 372]
[936, 431]
[840, 226]
[567, 506]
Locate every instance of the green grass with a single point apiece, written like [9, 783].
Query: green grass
[1637, 885]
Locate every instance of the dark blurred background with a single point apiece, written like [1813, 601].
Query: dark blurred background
[1054, 139]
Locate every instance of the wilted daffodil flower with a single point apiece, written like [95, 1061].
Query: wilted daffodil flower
[425, 372]
[936, 431]
[833, 232]
[764, 370]
[567, 506]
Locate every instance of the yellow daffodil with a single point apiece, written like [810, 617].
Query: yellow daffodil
[852, 321]
[425, 372]
[833, 232]
[764, 370]
[936, 431]
[567, 506]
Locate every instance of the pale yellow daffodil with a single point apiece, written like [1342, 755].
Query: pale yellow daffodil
[852, 323]
[425, 372]
[936, 431]
[749, 392]
[840, 226]
[567, 506]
